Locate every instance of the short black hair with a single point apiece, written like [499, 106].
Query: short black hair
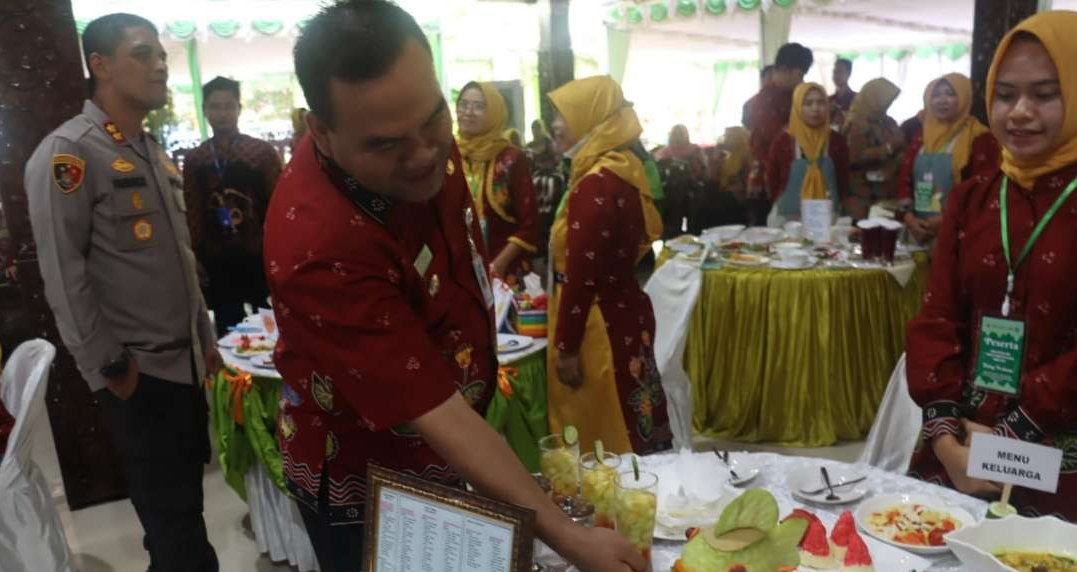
[766, 70]
[794, 56]
[353, 41]
[104, 35]
[846, 63]
[220, 84]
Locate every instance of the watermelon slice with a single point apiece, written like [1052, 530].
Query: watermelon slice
[857, 558]
[839, 537]
[814, 548]
[802, 514]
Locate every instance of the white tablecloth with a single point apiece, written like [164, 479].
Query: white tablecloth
[775, 471]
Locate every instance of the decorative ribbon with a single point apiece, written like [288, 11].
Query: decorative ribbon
[239, 384]
[505, 377]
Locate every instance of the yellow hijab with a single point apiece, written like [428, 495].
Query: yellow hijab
[873, 100]
[596, 112]
[737, 141]
[487, 145]
[1056, 31]
[962, 130]
[812, 140]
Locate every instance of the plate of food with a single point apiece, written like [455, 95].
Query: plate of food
[510, 343]
[1017, 543]
[745, 259]
[264, 361]
[720, 234]
[916, 523]
[253, 345]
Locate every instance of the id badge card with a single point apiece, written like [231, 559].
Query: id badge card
[876, 176]
[925, 197]
[484, 279]
[1001, 355]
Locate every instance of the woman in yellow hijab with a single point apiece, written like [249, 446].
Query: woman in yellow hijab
[602, 373]
[500, 179]
[953, 146]
[806, 162]
[876, 146]
[1003, 271]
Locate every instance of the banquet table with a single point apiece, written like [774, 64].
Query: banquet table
[796, 357]
[774, 470]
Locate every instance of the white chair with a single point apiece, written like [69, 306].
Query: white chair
[674, 288]
[893, 436]
[31, 535]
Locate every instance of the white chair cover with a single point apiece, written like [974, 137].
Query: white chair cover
[893, 436]
[31, 535]
[674, 288]
[278, 526]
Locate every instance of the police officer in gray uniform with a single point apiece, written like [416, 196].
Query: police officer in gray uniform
[106, 205]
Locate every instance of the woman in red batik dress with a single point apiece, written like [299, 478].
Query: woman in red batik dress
[602, 373]
[500, 179]
[1032, 103]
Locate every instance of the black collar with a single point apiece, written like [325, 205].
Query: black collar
[373, 204]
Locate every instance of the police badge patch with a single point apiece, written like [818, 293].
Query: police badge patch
[68, 172]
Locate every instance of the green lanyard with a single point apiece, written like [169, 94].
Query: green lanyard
[1036, 232]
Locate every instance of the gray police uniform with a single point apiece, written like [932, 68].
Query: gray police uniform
[115, 252]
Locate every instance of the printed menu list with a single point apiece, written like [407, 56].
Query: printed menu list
[417, 535]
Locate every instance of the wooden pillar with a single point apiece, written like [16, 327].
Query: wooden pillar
[557, 64]
[994, 18]
[41, 86]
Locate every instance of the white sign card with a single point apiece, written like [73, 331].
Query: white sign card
[1014, 462]
[817, 216]
[417, 526]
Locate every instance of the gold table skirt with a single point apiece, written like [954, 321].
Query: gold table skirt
[799, 358]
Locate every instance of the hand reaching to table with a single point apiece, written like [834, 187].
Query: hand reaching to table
[569, 371]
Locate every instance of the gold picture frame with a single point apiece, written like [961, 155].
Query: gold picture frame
[477, 511]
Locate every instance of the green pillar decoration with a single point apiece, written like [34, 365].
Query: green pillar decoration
[196, 85]
[433, 35]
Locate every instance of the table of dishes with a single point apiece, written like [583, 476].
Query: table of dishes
[789, 342]
[901, 521]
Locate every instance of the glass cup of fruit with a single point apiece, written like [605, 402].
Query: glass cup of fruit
[560, 463]
[637, 507]
[598, 485]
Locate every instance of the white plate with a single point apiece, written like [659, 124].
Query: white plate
[233, 339]
[509, 343]
[762, 235]
[720, 234]
[686, 247]
[863, 518]
[746, 467]
[263, 361]
[763, 261]
[811, 479]
[785, 265]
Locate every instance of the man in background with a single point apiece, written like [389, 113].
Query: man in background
[227, 182]
[843, 96]
[765, 77]
[769, 115]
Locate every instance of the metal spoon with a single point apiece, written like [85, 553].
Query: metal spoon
[724, 456]
[826, 480]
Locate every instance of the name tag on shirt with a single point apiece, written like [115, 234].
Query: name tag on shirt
[1002, 348]
[422, 262]
[129, 182]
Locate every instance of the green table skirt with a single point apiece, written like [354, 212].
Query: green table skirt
[797, 358]
[519, 413]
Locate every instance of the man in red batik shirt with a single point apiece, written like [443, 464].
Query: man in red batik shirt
[769, 114]
[377, 269]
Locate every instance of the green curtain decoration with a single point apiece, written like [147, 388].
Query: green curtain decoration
[925, 52]
[784, 3]
[635, 15]
[80, 25]
[195, 66]
[302, 24]
[659, 12]
[721, 73]
[617, 14]
[955, 51]
[687, 8]
[267, 27]
[749, 5]
[898, 54]
[181, 29]
[872, 55]
[715, 7]
[618, 43]
[225, 28]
